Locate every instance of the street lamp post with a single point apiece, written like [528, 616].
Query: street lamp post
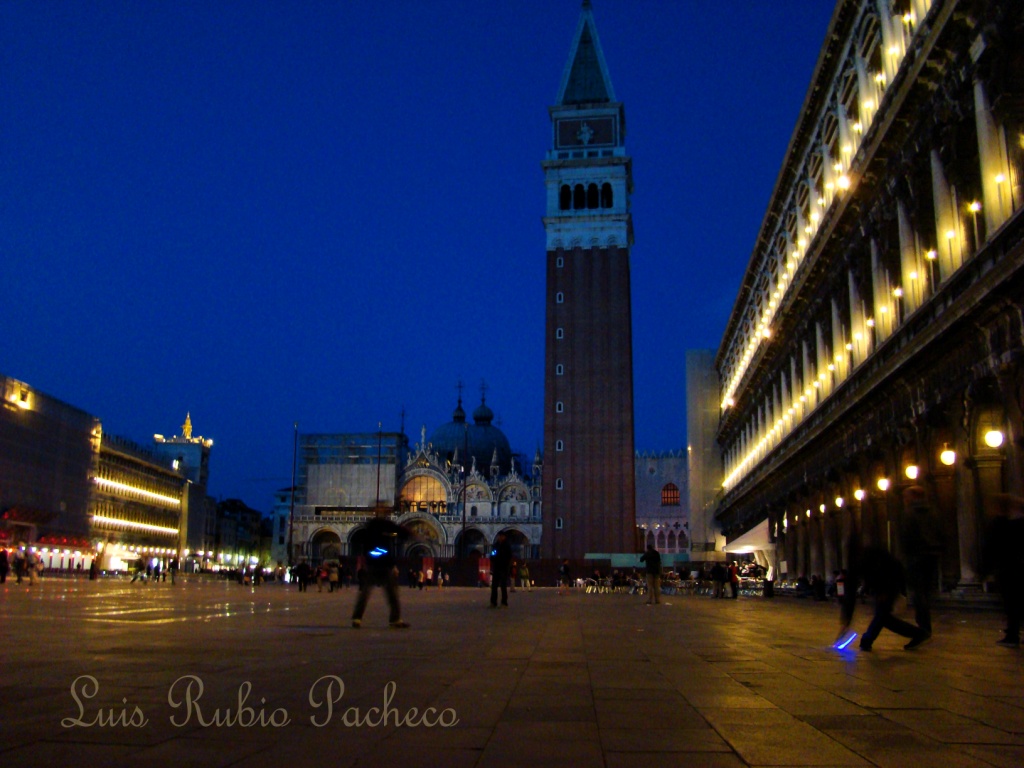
[291, 509]
[465, 482]
[380, 436]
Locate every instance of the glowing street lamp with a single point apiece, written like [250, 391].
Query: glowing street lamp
[993, 438]
[883, 484]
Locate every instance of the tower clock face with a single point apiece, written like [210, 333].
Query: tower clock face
[586, 132]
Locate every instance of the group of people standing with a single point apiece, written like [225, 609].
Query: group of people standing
[25, 563]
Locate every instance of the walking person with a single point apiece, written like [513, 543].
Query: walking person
[5, 565]
[501, 563]
[564, 577]
[1003, 558]
[734, 579]
[381, 538]
[524, 576]
[922, 546]
[302, 572]
[884, 578]
[652, 572]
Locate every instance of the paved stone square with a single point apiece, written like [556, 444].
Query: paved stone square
[578, 680]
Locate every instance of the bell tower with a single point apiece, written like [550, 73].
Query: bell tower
[589, 486]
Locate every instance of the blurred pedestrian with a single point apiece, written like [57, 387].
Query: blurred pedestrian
[885, 579]
[1003, 558]
[501, 563]
[652, 571]
[922, 546]
[381, 538]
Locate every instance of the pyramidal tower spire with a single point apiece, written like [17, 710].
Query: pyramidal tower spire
[588, 484]
[585, 78]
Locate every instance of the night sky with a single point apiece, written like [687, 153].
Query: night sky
[328, 212]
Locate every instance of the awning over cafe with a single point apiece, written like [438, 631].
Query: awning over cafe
[756, 538]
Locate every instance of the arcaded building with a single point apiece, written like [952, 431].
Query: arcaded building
[877, 339]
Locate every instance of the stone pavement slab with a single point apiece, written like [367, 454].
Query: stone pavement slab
[214, 674]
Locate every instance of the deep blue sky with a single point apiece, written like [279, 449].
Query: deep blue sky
[263, 212]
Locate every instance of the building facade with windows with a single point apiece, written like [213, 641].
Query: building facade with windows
[877, 341]
[662, 504]
[74, 493]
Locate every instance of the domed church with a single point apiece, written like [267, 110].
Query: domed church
[487, 447]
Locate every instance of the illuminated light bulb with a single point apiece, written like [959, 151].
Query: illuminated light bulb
[974, 207]
[948, 456]
[847, 149]
[840, 501]
[844, 182]
[897, 292]
[858, 494]
[894, 51]
[908, 18]
[913, 275]
[815, 216]
[821, 508]
[870, 322]
[817, 384]
[808, 513]
[869, 104]
[767, 332]
[821, 201]
[838, 167]
[802, 242]
[883, 310]
[912, 471]
[830, 186]
[1000, 178]
[950, 234]
[883, 484]
[993, 438]
[931, 255]
[840, 358]
[831, 367]
[858, 128]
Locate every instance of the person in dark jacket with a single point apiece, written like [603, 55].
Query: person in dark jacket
[652, 570]
[501, 563]
[922, 546]
[884, 578]
[381, 537]
[1003, 558]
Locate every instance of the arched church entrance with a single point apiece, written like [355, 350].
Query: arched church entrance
[471, 544]
[324, 546]
[519, 543]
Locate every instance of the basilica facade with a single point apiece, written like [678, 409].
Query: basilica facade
[454, 492]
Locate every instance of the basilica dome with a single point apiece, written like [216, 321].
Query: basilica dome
[482, 438]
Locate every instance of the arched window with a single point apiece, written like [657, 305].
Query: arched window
[559, 445]
[592, 200]
[558, 484]
[579, 197]
[559, 262]
[421, 493]
[472, 511]
[558, 523]
[671, 544]
[559, 369]
[565, 198]
[559, 407]
[670, 496]
[607, 199]
[559, 297]
[559, 333]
